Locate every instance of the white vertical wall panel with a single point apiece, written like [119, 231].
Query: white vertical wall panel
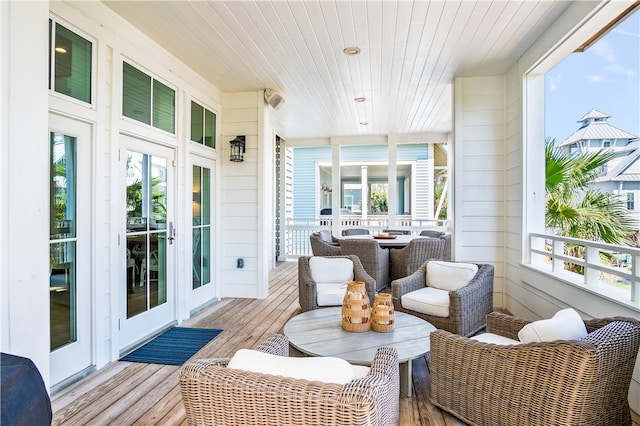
[479, 174]
[239, 197]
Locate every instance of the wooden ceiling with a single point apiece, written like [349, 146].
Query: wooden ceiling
[410, 53]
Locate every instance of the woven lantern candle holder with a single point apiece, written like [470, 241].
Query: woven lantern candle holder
[356, 310]
[382, 313]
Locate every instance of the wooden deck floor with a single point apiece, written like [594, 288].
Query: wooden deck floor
[125, 393]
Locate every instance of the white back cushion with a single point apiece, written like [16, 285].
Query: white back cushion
[564, 325]
[450, 276]
[320, 369]
[331, 270]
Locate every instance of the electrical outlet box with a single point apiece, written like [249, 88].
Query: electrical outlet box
[240, 263]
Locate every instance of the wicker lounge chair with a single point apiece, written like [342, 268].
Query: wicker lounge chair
[564, 382]
[307, 288]
[324, 244]
[406, 261]
[468, 306]
[397, 231]
[374, 258]
[214, 394]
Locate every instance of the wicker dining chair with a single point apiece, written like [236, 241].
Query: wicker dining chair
[214, 394]
[374, 258]
[407, 260]
[397, 231]
[564, 382]
[324, 244]
[308, 289]
[355, 231]
[468, 305]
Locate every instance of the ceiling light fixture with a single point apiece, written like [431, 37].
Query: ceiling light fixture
[350, 51]
[363, 123]
[60, 49]
[360, 99]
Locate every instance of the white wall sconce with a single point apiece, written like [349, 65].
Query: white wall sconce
[237, 149]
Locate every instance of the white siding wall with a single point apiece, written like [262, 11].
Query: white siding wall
[242, 198]
[24, 158]
[479, 174]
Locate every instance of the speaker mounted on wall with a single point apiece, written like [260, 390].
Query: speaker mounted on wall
[273, 98]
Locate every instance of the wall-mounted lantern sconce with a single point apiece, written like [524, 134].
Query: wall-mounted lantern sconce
[237, 149]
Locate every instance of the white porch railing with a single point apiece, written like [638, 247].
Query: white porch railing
[297, 232]
[619, 280]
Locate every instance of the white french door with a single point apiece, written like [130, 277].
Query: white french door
[148, 288]
[70, 247]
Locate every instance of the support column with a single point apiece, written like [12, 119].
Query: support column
[392, 180]
[365, 191]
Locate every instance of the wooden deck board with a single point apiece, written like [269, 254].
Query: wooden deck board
[124, 393]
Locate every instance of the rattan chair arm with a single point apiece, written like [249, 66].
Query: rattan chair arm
[278, 344]
[505, 325]
[405, 285]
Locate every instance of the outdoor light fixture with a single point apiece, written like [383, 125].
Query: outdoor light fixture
[237, 149]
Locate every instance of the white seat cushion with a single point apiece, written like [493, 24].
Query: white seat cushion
[564, 325]
[428, 300]
[496, 339]
[320, 369]
[330, 294]
[450, 276]
[331, 276]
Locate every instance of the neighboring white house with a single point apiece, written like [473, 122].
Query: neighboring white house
[622, 174]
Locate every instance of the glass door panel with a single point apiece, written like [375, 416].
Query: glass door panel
[146, 232]
[62, 245]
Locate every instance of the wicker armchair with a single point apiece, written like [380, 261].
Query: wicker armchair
[407, 260]
[374, 258]
[564, 382]
[324, 244]
[308, 291]
[468, 306]
[214, 394]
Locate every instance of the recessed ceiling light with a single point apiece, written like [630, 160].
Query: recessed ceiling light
[60, 50]
[360, 99]
[363, 123]
[349, 51]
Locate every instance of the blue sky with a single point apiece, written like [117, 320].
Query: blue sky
[605, 77]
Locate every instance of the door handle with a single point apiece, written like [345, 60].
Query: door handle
[171, 234]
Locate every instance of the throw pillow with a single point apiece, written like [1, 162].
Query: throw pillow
[450, 276]
[320, 369]
[564, 325]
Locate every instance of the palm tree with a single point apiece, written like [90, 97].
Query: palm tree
[574, 209]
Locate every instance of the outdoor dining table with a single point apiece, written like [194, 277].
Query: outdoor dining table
[391, 241]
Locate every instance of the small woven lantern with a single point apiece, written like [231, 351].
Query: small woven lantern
[382, 313]
[356, 310]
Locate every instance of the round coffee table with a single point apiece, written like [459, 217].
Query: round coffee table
[319, 333]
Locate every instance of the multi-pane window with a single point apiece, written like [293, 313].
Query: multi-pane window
[147, 100]
[203, 125]
[201, 226]
[631, 201]
[69, 63]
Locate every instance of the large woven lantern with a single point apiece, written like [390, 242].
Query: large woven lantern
[356, 310]
[382, 313]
